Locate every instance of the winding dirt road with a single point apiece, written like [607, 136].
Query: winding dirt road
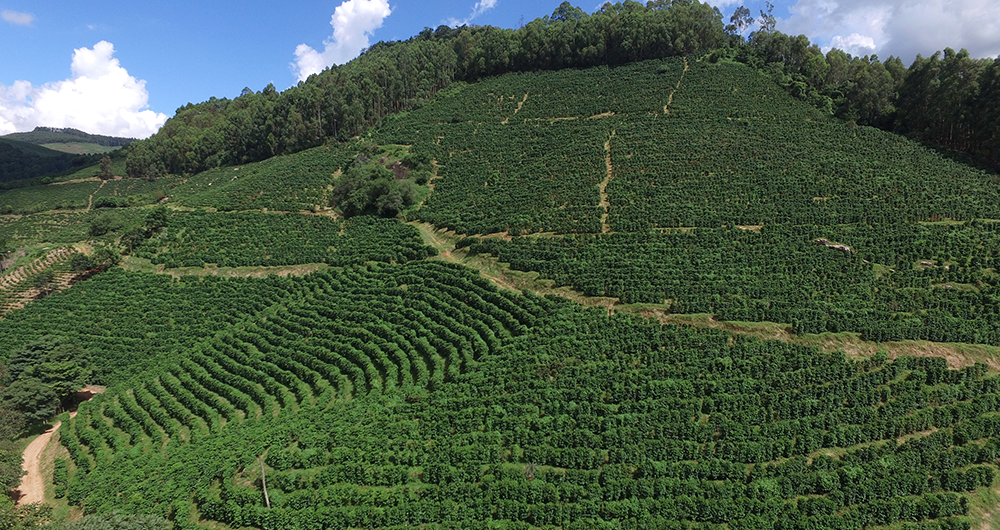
[32, 488]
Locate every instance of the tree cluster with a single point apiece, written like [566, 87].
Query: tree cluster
[345, 100]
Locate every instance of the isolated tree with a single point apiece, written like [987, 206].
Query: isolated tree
[767, 21]
[107, 173]
[104, 223]
[740, 21]
[55, 362]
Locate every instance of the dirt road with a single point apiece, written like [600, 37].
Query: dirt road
[32, 487]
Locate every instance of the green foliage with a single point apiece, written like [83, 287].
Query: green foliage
[51, 135]
[104, 223]
[34, 399]
[53, 361]
[117, 521]
[10, 466]
[529, 411]
[193, 239]
[346, 100]
[60, 477]
[126, 321]
[287, 183]
[49, 197]
[23, 518]
[107, 172]
[19, 161]
[368, 187]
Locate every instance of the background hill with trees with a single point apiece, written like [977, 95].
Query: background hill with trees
[467, 280]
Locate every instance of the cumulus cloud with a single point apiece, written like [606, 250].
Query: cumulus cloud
[100, 98]
[854, 44]
[903, 28]
[354, 21]
[481, 7]
[17, 18]
[722, 5]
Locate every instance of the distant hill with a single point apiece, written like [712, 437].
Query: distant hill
[22, 160]
[72, 141]
[50, 135]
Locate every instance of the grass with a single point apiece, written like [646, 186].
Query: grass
[984, 506]
[80, 148]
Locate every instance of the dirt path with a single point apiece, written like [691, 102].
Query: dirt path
[90, 200]
[427, 232]
[518, 109]
[670, 100]
[32, 488]
[603, 186]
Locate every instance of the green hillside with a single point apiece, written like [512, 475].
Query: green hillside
[55, 136]
[80, 148]
[496, 307]
[20, 160]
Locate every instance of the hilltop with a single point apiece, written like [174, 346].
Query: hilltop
[69, 140]
[618, 291]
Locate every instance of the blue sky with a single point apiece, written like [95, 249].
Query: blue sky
[115, 67]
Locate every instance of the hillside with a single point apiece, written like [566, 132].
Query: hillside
[21, 160]
[409, 373]
[72, 141]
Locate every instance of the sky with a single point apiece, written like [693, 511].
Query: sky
[122, 68]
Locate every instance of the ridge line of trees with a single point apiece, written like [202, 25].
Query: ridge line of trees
[934, 100]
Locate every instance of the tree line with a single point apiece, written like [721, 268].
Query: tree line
[345, 100]
[934, 100]
[948, 99]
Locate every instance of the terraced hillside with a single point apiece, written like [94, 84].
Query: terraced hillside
[389, 389]
[413, 395]
[707, 189]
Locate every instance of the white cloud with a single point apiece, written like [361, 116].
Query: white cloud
[854, 44]
[902, 28]
[17, 18]
[353, 22]
[481, 7]
[100, 98]
[722, 5]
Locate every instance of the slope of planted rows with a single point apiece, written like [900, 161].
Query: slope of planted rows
[526, 152]
[639, 151]
[893, 282]
[405, 396]
[127, 320]
[284, 183]
[193, 239]
[355, 333]
[687, 143]
[736, 149]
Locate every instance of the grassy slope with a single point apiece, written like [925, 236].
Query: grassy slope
[80, 148]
